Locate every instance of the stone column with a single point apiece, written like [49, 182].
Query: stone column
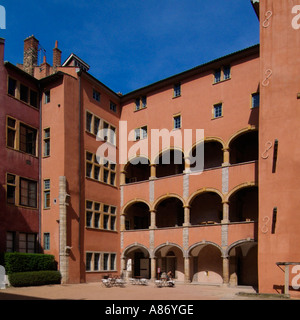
[187, 269]
[122, 222]
[225, 212]
[152, 219]
[152, 171]
[226, 270]
[187, 165]
[122, 177]
[153, 269]
[63, 249]
[186, 216]
[226, 156]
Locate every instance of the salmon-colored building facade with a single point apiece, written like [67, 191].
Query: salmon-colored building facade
[230, 217]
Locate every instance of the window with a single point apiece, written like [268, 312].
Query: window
[177, 122]
[221, 74]
[100, 216]
[217, 75]
[11, 188]
[255, 100]
[226, 71]
[21, 136]
[47, 142]
[23, 93]
[28, 193]
[103, 171]
[177, 90]
[218, 112]
[113, 107]
[33, 99]
[12, 85]
[25, 188]
[96, 125]
[100, 261]
[96, 95]
[10, 241]
[28, 137]
[27, 242]
[11, 132]
[140, 103]
[140, 133]
[46, 241]
[47, 194]
[47, 96]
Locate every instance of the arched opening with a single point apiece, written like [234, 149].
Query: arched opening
[243, 264]
[206, 264]
[170, 258]
[169, 213]
[206, 208]
[137, 262]
[244, 147]
[243, 205]
[169, 163]
[137, 216]
[213, 155]
[137, 169]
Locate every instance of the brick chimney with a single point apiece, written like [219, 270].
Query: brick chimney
[30, 59]
[56, 56]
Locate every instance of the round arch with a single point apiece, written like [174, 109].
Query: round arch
[240, 132]
[167, 196]
[131, 202]
[203, 190]
[168, 244]
[204, 243]
[239, 187]
[134, 246]
[155, 158]
[125, 166]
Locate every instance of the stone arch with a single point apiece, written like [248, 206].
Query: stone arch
[131, 202]
[203, 190]
[239, 187]
[166, 196]
[238, 133]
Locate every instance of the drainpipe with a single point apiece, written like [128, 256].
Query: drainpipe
[64, 250]
[40, 168]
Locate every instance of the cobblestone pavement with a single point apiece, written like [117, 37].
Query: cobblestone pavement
[95, 291]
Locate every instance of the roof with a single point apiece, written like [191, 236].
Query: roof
[73, 56]
[213, 64]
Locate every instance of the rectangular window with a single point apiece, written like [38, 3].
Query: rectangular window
[96, 261]
[88, 265]
[88, 125]
[47, 96]
[28, 193]
[11, 188]
[47, 142]
[105, 261]
[96, 125]
[177, 122]
[47, 194]
[255, 100]
[218, 112]
[217, 75]
[33, 99]
[140, 103]
[226, 71]
[11, 132]
[96, 95]
[113, 107]
[28, 137]
[177, 90]
[27, 242]
[10, 241]
[23, 93]
[46, 241]
[112, 261]
[12, 86]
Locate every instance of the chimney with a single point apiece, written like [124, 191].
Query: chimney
[30, 59]
[2, 43]
[56, 56]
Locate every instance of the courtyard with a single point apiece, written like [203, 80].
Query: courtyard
[96, 291]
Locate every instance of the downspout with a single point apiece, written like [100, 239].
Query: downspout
[40, 169]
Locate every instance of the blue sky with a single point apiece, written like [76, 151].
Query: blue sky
[132, 43]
